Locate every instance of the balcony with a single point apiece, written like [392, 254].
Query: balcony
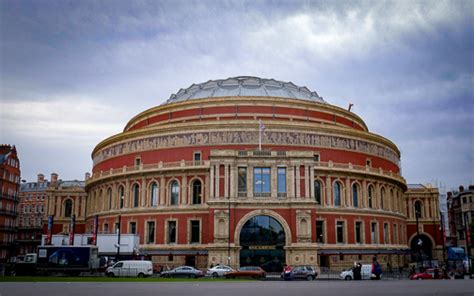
[205, 164]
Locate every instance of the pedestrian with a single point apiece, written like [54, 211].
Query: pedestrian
[376, 269]
[357, 272]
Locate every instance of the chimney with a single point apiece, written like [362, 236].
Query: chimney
[54, 178]
[40, 178]
[461, 188]
[87, 176]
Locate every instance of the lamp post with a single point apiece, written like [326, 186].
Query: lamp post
[419, 242]
[118, 236]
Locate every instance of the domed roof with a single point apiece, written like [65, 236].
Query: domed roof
[245, 86]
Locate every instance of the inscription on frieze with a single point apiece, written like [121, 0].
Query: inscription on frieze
[244, 137]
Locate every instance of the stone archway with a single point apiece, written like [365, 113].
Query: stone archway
[262, 239]
[421, 246]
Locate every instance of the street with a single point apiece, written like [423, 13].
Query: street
[262, 288]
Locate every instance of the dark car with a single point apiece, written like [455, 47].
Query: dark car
[183, 271]
[254, 272]
[300, 273]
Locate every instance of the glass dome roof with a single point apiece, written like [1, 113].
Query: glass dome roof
[245, 86]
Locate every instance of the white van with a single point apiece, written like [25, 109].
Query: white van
[134, 268]
[365, 273]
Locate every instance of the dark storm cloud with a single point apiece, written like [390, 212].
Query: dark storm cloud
[86, 67]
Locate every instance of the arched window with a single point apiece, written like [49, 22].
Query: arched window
[109, 197]
[317, 192]
[68, 208]
[154, 194]
[174, 193]
[337, 194]
[418, 206]
[121, 196]
[371, 193]
[382, 198]
[197, 192]
[136, 195]
[355, 195]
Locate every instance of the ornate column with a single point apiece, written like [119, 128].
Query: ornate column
[348, 196]
[250, 180]
[143, 194]
[306, 181]
[226, 181]
[311, 182]
[217, 180]
[211, 183]
[233, 181]
[162, 197]
[273, 180]
[290, 178]
[329, 191]
[298, 181]
[184, 190]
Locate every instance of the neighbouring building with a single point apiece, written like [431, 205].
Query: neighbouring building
[10, 186]
[424, 234]
[461, 222]
[252, 171]
[30, 213]
[65, 201]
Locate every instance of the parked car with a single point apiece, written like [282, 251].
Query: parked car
[247, 271]
[183, 271]
[428, 274]
[219, 271]
[132, 268]
[365, 273]
[300, 273]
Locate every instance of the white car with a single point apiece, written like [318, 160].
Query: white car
[218, 271]
[365, 273]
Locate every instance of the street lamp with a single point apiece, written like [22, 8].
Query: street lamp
[419, 241]
[118, 236]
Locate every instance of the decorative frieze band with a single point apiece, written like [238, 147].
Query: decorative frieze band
[244, 137]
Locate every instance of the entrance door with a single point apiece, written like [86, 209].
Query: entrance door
[262, 239]
[190, 261]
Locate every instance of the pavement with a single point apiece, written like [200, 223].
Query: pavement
[237, 288]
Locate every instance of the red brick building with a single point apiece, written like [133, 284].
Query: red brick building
[31, 209]
[189, 177]
[9, 186]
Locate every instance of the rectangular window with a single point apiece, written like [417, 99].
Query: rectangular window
[320, 231]
[385, 234]
[171, 232]
[195, 231]
[133, 228]
[242, 186]
[281, 180]
[150, 238]
[374, 232]
[261, 181]
[197, 157]
[106, 228]
[316, 157]
[340, 232]
[358, 232]
[138, 161]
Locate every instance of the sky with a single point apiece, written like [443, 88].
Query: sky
[72, 73]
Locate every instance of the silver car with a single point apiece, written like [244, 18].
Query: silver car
[183, 271]
[218, 271]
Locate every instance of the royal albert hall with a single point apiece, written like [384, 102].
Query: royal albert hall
[251, 171]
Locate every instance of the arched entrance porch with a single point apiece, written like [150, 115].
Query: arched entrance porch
[262, 239]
